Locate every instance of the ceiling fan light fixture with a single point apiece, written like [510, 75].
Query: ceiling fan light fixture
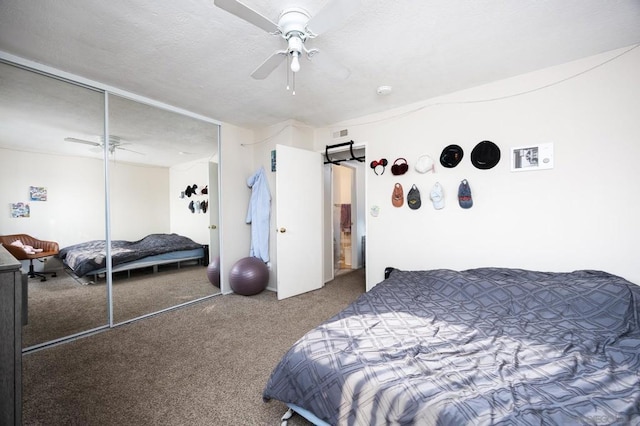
[384, 90]
[295, 47]
[295, 62]
[293, 20]
[295, 25]
[114, 142]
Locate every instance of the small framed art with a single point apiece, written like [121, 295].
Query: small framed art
[37, 193]
[20, 210]
[532, 157]
[273, 160]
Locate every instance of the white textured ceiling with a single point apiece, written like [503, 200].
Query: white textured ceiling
[193, 55]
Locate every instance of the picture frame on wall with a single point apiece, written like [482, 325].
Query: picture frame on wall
[273, 160]
[20, 210]
[532, 157]
[37, 193]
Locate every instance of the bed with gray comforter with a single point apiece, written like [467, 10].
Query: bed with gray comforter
[90, 257]
[482, 346]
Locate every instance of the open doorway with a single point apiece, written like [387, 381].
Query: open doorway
[344, 217]
[345, 227]
[344, 220]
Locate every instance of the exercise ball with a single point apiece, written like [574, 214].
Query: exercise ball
[249, 276]
[213, 272]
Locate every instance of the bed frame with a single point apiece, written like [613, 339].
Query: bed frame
[200, 255]
[308, 415]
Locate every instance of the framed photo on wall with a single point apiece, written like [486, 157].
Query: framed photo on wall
[532, 157]
[20, 210]
[37, 193]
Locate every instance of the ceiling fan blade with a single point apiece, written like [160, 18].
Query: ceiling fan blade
[269, 65]
[86, 142]
[129, 150]
[244, 12]
[332, 15]
[329, 66]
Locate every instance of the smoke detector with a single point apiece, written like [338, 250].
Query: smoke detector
[383, 90]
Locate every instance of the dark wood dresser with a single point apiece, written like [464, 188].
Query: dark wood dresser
[11, 318]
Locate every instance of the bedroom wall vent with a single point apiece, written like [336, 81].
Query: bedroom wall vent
[341, 133]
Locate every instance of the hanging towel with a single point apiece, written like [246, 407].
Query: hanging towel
[258, 214]
[345, 217]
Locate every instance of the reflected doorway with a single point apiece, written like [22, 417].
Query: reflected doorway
[344, 217]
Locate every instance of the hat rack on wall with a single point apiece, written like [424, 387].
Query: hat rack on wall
[196, 205]
[339, 145]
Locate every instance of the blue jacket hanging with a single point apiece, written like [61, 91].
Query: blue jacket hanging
[258, 214]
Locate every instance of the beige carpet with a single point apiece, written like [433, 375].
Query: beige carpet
[205, 364]
[64, 305]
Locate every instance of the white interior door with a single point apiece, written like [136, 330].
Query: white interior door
[299, 205]
[214, 213]
[214, 223]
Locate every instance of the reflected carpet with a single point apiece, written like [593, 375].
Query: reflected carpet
[65, 305]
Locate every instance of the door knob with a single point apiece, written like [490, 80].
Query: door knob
[282, 230]
[212, 227]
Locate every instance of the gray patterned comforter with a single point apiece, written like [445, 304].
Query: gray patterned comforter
[86, 257]
[482, 346]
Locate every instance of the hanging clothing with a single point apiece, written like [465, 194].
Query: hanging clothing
[258, 214]
[345, 217]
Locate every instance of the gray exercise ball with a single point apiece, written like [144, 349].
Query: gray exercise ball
[213, 272]
[249, 276]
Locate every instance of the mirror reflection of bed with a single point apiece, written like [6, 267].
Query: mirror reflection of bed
[40, 112]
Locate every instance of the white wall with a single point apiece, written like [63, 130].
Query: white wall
[74, 210]
[139, 200]
[236, 165]
[342, 184]
[580, 215]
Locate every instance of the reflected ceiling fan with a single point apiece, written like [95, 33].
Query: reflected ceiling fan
[296, 26]
[114, 143]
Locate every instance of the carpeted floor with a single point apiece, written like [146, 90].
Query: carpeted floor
[205, 364]
[65, 305]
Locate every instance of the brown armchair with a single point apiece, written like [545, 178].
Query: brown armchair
[43, 249]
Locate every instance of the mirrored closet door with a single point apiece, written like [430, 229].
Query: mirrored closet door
[161, 207]
[60, 185]
[83, 167]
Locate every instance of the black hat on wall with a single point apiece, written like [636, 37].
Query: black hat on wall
[451, 156]
[485, 155]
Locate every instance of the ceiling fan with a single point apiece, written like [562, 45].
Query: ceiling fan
[296, 26]
[114, 143]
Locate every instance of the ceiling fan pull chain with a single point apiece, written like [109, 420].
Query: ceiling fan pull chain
[293, 85]
[288, 70]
